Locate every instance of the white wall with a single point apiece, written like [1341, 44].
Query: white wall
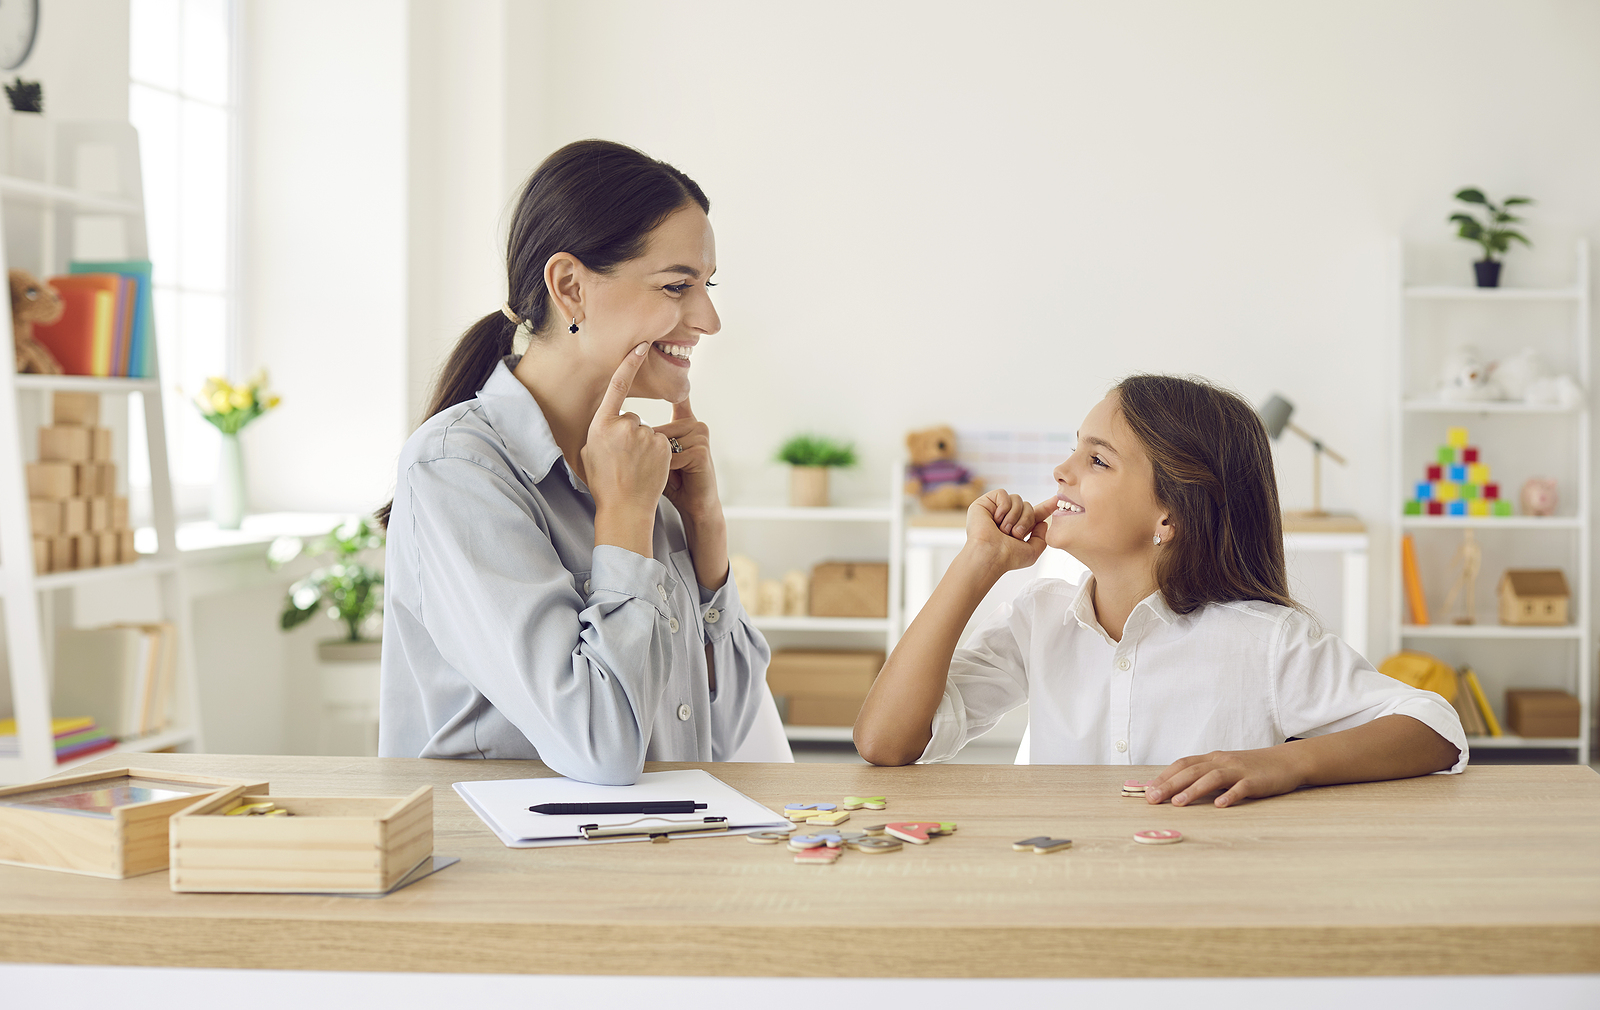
[81, 57]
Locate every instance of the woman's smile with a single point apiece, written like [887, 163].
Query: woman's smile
[674, 352]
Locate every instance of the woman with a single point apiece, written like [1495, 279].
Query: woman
[542, 600]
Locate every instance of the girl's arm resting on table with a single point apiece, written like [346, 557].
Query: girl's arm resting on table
[1390, 747]
[580, 675]
[896, 720]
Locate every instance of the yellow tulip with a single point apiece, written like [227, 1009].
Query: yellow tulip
[219, 402]
[241, 399]
[273, 401]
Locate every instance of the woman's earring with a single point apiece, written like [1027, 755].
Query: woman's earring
[1158, 540]
[574, 327]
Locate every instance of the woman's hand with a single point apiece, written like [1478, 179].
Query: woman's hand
[1241, 774]
[625, 463]
[1006, 532]
[692, 490]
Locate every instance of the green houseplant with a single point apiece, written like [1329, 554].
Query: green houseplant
[809, 458]
[347, 590]
[1491, 232]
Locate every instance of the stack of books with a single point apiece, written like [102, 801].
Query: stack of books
[106, 320]
[75, 737]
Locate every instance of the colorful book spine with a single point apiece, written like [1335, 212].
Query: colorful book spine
[1413, 579]
[81, 338]
[1482, 699]
[138, 362]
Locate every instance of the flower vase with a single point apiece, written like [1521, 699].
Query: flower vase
[227, 495]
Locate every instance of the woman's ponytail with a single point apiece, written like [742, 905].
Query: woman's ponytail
[466, 370]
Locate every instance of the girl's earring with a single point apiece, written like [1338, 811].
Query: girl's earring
[1158, 540]
[574, 327]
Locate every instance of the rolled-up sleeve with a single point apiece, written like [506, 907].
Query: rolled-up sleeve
[988, 677]
[739, 655]
[1323, 686]
[579, 671]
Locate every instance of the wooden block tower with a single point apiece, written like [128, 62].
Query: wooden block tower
[1459, 483]
[78, 519]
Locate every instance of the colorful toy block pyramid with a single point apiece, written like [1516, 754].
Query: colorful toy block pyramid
[1458, 483]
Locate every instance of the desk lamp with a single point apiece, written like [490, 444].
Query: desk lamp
[1275, 415]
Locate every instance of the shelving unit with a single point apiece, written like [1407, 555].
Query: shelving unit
[1519, 440]
[890, 517]
[42, 224]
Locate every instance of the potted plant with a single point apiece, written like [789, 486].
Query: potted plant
[229, 408]
[349, 591]
[809, 457]
[1490, 232]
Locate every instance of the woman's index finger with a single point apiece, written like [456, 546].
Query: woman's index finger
[681, 411]
[621, 383]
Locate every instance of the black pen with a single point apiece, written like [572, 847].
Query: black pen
[636, 807]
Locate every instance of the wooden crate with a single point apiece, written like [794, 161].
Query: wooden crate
[330, 844]
[128, 840]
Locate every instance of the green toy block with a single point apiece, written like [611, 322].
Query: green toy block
[1502, 507]
[1447, 454]
[1413, 508]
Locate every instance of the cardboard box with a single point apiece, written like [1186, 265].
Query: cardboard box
[108, 547]
[42, 825]
[44, 517]
[119, 513]
[127, 554]
[95, 480]
[850, 589]
[344, 844]
[79, 409]
[63, 554]
[41, 555]
[85, 551]
[822, 687]
[52, 480]
[74, 516]
[100, 444]
[69, 445]
[99, 514]
[1542, 714]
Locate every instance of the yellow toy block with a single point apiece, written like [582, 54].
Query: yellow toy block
[1477, 473]
[1447, 491]
[1478, 507]
[1456, 438]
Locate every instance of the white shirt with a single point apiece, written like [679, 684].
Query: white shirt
[1228, 676]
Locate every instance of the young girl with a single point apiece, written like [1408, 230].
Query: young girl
[1181, 648]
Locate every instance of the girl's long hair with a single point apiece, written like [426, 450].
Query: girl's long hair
[1213, 472]
[595, 199]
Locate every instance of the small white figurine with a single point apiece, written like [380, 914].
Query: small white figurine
[1468, 378]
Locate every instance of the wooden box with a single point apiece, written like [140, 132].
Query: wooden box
[1533, 597]
[1542, 714]
[44, 516]
[100, 444]
[81, 409]
[52, 480]
[69, 445]
[74, 516]
[850, 589]
[127, 553]
[100, 514]
[822, 687]
[109, 823]
[328, 844]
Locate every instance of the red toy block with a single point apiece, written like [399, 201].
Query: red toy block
[1436, 507]
[1469, 454]
[1491, 490]
[1435, 472]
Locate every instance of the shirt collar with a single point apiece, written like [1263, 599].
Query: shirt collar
[515, 416]
[1082, 611]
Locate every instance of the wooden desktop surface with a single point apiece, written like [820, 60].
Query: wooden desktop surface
[1493, 871]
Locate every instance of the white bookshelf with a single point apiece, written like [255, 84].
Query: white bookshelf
[801, 524]
[1519, 440]
[42, 222]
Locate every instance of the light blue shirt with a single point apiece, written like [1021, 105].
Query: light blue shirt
[507, 633]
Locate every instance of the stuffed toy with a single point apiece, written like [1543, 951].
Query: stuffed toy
[934, 476]
[1467, 377]
[33, 301]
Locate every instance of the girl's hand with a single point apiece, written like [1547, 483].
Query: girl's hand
[1006, 531]
[625, 463]
[1242, 774]
[692, 481]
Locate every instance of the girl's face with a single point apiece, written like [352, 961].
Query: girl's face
[659, 296]
[1106, 507]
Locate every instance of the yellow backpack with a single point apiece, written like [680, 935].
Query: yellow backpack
[1418, 669]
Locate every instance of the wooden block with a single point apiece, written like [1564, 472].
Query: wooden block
[67, 444]
[52, 480]
[41, 555]
[1543, 714]
[131, 841]
[108, 548]
[100, 444]
[80, 409]
[44, 517]
[99, 514]
[86, 551]
[119, 512]
[74, 516]
[127, 554]
[358, 845]
[63, 554]
[850, 589]
[106, 479]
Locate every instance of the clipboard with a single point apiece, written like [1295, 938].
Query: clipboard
[503, 804]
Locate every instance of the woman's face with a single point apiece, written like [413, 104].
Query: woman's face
[1105, 493]
[659, 296]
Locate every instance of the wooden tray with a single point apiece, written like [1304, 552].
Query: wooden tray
[330, 844]
[96, 823]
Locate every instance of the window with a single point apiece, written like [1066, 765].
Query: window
[182, 98]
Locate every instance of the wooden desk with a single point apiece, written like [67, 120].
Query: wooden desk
[1494, 871]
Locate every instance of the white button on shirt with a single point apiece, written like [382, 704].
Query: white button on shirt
[1229, 676]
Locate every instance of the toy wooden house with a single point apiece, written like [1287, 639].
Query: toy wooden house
[1533, 596]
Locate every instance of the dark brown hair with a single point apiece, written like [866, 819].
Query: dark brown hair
[595, 199]
[1213, 472]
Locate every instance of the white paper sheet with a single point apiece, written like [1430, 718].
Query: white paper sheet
[503, 805]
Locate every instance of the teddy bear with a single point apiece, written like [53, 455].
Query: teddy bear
[33, 301]
[934, 476]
